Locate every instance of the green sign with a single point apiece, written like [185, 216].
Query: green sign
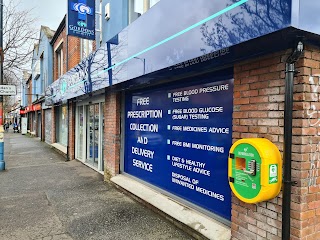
[273, 173]
[63, 87]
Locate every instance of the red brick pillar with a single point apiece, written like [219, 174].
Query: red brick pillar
[43, 126]
[72, 130]
[305, 205]
[258, 112]
[112, 113]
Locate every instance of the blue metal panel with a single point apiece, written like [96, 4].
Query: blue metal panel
[170, 33]
[118, 18]
[1, 148]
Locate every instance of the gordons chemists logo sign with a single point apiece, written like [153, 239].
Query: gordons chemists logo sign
[81, 18]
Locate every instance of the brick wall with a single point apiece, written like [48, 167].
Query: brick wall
[259, 87]
[305, 206]
[112, 118]
[29, 91]
[73, 53]
[72, 131]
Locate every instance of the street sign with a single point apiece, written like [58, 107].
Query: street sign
[8, 90]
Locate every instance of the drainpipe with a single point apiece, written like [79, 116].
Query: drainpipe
[287, 147]
[67, 69]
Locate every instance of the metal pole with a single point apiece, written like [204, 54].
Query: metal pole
[68, 117]
[144, 66]
[2, 163]
[287, 145]
[109, 63]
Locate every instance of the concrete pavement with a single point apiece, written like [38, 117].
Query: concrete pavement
[44, 197]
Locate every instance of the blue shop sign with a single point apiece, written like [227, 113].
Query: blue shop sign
[178, 138]
[81, 19]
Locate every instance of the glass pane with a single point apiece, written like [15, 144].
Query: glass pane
[87, 47]
[138, 6]
[63, 133]
[34, 122]
[62, 125]
[90, 133]
[80, 131]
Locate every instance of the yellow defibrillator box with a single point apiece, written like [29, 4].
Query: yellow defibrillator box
[255, 170]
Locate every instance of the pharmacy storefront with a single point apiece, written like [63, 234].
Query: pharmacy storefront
[175, 140]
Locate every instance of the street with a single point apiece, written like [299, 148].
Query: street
[44, 197]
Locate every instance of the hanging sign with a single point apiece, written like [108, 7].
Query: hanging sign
[81, 19]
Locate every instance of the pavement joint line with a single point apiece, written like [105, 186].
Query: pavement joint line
[24, 195]
[39, 165]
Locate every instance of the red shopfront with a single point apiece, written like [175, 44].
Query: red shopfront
[33, 114]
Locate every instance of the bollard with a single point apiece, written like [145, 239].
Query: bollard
[2, 163]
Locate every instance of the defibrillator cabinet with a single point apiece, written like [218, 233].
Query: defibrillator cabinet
[255, 170]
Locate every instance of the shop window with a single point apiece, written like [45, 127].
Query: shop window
[62, 125]
[139, 7]
[80, 133]
[153, 2]
[86, 48]
[99, 25]
[59, 57]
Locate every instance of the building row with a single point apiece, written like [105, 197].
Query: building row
[156, 101]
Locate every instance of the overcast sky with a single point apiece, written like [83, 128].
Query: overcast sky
[48, 12]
